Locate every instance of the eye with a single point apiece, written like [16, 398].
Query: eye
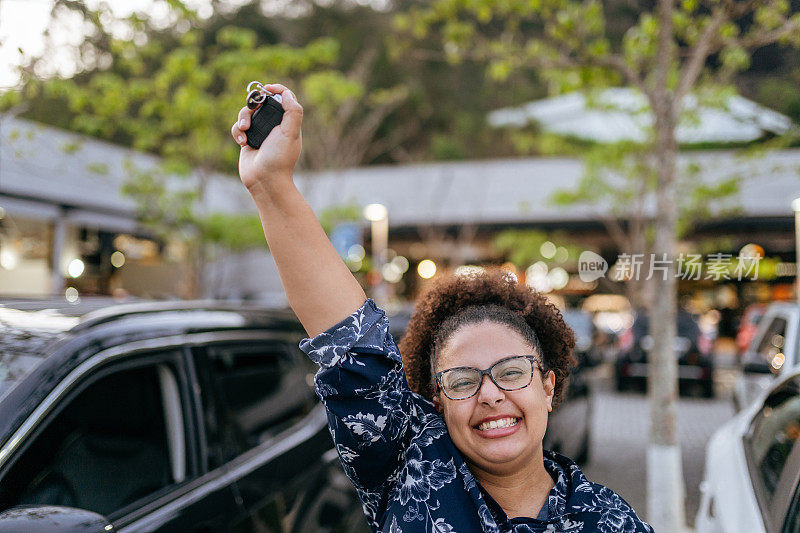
[462, 384]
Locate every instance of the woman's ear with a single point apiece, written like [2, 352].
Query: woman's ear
[549, 382]
[436, 403]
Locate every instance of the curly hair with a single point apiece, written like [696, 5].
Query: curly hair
[450, 304]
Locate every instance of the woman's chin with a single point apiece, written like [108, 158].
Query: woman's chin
[502, 453]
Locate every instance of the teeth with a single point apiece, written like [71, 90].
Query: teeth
[502, 423]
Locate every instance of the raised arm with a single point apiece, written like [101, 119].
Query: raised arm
[318, 285]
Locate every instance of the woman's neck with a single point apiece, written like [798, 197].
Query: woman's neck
[521, 493]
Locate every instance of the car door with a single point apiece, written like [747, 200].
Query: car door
[792, 522]
[772, 451]
[770, 353]
[263, 421]
[256, 400]
[114, 437]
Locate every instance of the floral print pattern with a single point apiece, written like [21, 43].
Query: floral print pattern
[395, 448]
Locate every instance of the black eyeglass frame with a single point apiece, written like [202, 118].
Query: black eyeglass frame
[488, 371]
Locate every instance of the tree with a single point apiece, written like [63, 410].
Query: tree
[173, 87]
[670, 50]
[619, 180]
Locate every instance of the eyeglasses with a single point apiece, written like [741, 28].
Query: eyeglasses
[511, 373]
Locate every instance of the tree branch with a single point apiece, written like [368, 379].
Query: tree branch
[791, 26]
[699, 53]
[616, 232]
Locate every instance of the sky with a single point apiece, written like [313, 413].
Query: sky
[23, 22]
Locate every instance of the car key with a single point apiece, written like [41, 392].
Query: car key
[268, 114]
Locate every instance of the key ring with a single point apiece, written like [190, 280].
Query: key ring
[256, 97]
[258, 84]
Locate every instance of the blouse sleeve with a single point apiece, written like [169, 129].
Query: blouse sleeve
[364, 389]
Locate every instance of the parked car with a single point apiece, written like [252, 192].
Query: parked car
[773, 351]
[569, 425]
[181, 416]
[752, 475]
[748, 326]
[692, 349]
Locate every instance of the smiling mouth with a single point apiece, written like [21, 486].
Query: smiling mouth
[501, 423]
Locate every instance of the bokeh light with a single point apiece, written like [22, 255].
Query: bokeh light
[75, 268]
[375, 212]
[71, 295]
[8, 258]
[356, 253]
[117, 259]
[548, 250]
[426, 269]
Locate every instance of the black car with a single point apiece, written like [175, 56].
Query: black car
[569, 425]
[695, 360]
[182, 416]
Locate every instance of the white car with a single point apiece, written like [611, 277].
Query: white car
[774, 350]
[752, 468]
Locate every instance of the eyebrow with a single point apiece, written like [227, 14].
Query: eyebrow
[490, 364]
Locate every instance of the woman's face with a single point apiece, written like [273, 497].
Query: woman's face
[504, 449]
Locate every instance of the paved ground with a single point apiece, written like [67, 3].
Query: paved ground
[620, 429]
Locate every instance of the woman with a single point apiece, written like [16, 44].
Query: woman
[449, 437]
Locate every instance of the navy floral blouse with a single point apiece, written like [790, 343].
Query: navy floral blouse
[395, 448]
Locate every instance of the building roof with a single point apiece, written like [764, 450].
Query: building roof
[519, 190]
[622, 114]
[43, 168]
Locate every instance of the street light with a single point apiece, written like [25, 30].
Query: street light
[378, 216]
[796, 209]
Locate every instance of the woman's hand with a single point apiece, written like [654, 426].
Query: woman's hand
[273, 163]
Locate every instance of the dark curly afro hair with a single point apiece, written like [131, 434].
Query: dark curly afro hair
[432, 323]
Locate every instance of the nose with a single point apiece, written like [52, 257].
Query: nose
[489, 393]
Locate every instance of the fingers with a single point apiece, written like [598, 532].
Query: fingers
[241, 125]
[276, 88]
[293, 114]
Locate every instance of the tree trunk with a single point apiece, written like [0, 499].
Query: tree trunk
[665, 486]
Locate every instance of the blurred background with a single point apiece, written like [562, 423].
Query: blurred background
[439, 137]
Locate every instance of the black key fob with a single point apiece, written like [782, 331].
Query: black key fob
[263, 120]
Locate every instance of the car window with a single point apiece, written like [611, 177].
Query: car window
[773, 434]
[251, 391]
[105, 449]
[792, 522]
[581, 324]
[771, 345]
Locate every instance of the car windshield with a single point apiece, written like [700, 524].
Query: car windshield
[687, 325]
[581, 324]
[13, 367]
[24, 337]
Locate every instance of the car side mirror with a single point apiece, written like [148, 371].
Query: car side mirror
[756, 367]
[52, 519]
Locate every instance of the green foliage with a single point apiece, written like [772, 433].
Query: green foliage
[164, 207]
[97, 168]
[578, 44]
[331, 217]
[233, 232]
[447, 148]
[705, 201]
[70, 147]
[175, 89]
[524, 247]
[783, 94]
